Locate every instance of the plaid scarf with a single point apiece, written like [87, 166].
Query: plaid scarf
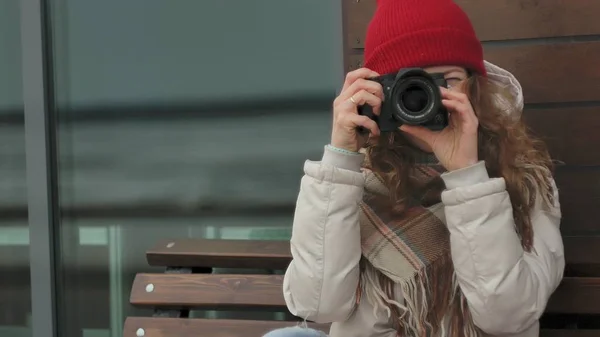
[410, 251]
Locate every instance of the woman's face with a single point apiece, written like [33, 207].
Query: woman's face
[453, 75]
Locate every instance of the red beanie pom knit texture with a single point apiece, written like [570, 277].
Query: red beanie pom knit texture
[421, 33]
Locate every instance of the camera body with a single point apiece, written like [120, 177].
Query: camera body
[412, 96]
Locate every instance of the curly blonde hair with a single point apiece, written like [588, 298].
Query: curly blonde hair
[506, 145]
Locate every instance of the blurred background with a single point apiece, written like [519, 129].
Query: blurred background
[178, 118]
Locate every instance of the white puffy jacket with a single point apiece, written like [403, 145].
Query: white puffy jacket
[507, 288]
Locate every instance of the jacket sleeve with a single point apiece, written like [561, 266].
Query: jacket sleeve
[507, 289]
[320, 283]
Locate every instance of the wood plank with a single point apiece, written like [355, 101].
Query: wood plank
[181, 327]
[579, 250]
[582, 250]
[560, 72]
[209, 291]
[527, 19]
[557, 127]
[576, 295]
[220, 253]
[582, 254]
[569, 333]
[579, 194]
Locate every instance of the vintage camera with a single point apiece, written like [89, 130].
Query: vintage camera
[412, 96]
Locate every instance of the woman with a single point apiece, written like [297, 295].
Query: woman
[385, 244]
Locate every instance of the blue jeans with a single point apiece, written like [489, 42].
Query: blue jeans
[295, 331]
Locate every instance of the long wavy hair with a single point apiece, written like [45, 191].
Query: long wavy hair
[506, 145]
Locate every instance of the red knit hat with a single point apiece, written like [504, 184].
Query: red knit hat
[421, 33]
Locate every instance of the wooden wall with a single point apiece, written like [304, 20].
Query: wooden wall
[553, 48]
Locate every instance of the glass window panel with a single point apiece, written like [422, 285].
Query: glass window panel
[15, 285]
[179, 119]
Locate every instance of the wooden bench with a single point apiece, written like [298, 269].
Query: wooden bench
[187, 284]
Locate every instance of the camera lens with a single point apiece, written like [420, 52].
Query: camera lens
[414, 99]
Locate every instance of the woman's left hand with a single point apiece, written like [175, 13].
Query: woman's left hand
[456, 145]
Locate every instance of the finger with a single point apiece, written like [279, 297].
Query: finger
[354, 75]
[458, 114]
[464, 111]
[364, 97]
[362, 84]
[422, 133]
[454, 95]
[372, 137]
[365, 122]
[462, 115]
[454, 106]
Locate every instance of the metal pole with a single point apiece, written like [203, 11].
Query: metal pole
[39, 145]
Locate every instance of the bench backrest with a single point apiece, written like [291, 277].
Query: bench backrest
[180, 290]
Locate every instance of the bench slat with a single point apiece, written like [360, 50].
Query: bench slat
[208, 291]
[581, 252]
[584, 250]
[182, 327]
[220, 253]
[569, 333]
[576, 295]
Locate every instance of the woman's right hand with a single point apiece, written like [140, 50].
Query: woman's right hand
[357, 90]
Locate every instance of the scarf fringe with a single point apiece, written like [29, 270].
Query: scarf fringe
[451, 316]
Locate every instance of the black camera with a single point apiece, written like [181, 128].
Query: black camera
[412, 96]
